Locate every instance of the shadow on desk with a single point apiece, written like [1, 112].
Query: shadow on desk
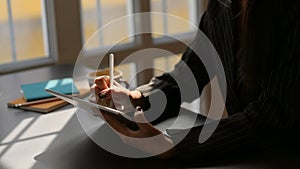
[73, 149]
[84, 153]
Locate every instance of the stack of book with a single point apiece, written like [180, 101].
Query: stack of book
[34, 97]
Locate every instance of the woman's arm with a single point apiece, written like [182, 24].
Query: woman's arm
[271, 119]
[170, 84]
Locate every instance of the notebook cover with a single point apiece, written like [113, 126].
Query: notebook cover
[44, 107]
[36, 91]
[41, 107]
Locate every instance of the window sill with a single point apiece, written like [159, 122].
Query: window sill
[24, 65]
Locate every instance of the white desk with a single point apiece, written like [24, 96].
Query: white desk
[55, 140]
[31, 140]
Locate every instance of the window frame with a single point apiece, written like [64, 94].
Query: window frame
[48, 18]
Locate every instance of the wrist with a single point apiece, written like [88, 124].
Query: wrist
[137, 99]
[135, 95]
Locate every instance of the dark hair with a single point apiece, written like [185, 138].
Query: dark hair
[261, 37]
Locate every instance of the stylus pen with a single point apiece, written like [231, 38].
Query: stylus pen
[111, 69]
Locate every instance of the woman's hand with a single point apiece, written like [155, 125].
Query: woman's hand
[147, 138]
[116, 97]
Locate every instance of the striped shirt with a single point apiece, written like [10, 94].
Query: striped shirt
[256, 117]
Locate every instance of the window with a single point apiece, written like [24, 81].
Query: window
[183, 9]
[24, 34]
[97, 13]
[44, 32]
[165, 63]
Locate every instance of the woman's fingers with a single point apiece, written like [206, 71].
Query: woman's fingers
[102, 82]
[95, 90]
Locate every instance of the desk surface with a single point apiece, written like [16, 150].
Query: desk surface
[31, 140]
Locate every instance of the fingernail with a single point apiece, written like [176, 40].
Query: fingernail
[138, 108]
[102, 95]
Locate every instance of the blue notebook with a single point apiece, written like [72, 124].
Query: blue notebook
[36, 91]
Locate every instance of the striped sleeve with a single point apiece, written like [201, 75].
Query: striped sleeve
[272, 118]
[238, 133]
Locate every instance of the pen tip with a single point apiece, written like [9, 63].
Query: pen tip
[17, 105]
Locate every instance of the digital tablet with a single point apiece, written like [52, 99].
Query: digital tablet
[89, 106]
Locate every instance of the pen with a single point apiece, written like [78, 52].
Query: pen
[34, 102]
[111, 69]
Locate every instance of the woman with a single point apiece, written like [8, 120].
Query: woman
[258, 42]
